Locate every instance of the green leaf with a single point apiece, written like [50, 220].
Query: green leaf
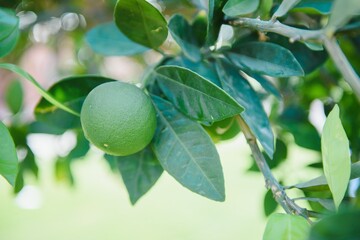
[183, 34]
[286, 227]
[14, 96]
[284, 7]
[203, 68]
[235, 8]
[141, 22]
[8, 156]
[215, 20]
[344, 225]
[320, 183]
[139, 172]
[8, 22]
[267, 85]
[195, 96]
[70, 92]
[266, 58]
[270, 204]
[106, 39]
[342, 11]
[254, 115]
[41, 90]
[187, 153]
[315, 6]
[336, 156]
[223, 130]
[8, 43]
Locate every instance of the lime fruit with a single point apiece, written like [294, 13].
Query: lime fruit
[118, 118]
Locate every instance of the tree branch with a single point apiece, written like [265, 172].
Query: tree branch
[271, 183]
[319, 36]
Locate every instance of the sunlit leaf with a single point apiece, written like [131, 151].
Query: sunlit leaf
[336, 155]
[8, 156]
[187, 153]
[284, 7]
[141, 22]
[342, 11]
[106, 39]
[235, 8]
[286, 227]
[314, 6]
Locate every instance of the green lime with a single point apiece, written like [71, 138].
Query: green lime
[118, 118]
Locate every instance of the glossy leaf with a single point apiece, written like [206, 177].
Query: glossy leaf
[254, 114]
[187, 153]
[139, 171]
[8, 156]
[343, 225]
[71, 92]
[215, 20]
[14, 96]
[336, 155]
[182, 33]
[106, 39]
[141, 22]
[235, 8]
[195, 96]
[284, 7]
[286, 227]
[8, 22]
[315, 6]
[266, 58]
[321, 183]
[342, 11]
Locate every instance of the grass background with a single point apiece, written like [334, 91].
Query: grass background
[98, 206]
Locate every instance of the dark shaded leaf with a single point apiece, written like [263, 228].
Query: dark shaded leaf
[106, 39]
[266, 58]
[254, 115]
[267, 85]
[71, 92]
[141, 22]
[215, 20]
[187, 153]
[139, 171]
[270, 204]
[195, 96]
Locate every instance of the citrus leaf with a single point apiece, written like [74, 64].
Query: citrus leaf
[195, 96]
[41, 90]
[215, 20]
[270, 204]
[14, 96]
[336, 156]
[321, 183]
[187, 153]
[315, 6]
[183, 34]
[235, 8]
[284, 7]
[267, 85]
[344, 225]
[342, 11]
[8, 156]
[266, 58]
[141, 22]
[106, 39]
[71, 92]
[8, 22]
[8, 43]
[139, 171]
[286, 227]
[254, 115]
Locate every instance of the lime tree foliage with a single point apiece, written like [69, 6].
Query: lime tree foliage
[221, 62]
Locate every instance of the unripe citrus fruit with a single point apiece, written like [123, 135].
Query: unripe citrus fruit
[118, 118]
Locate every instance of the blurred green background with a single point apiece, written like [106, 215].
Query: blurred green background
[97, 207]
